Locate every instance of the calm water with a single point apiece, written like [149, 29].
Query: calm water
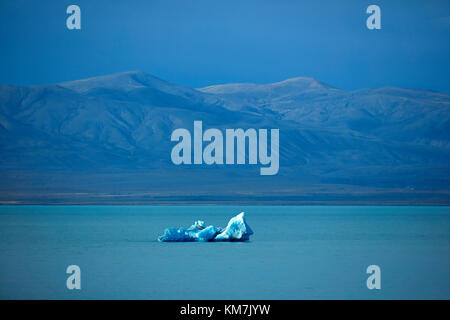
[297, 252]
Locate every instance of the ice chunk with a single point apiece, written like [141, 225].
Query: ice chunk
[196, 232]
[176, 234]
[199, 224]
[208, 233]
[236, 230]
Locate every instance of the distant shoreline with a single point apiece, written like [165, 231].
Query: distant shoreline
[230, 203]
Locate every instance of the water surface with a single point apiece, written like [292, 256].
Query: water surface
[297, 252]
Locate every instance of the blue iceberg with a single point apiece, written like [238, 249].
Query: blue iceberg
[237, 229]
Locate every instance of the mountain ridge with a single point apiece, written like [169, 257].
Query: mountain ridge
[118, 127]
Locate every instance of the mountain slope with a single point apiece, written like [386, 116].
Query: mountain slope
[111, 135]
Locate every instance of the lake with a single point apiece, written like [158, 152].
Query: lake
[297, 252]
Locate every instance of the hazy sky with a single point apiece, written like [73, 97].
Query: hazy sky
[203, 42]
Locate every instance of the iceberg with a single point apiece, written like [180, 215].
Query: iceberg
[237, 229]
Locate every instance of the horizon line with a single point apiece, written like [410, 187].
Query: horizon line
[223, 84]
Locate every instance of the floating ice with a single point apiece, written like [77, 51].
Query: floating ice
[237, 229]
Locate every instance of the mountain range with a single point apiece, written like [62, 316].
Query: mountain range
[107, 140]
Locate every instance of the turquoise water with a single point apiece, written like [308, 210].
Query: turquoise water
[297, 252]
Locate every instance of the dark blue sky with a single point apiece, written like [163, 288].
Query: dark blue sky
[203, 42]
